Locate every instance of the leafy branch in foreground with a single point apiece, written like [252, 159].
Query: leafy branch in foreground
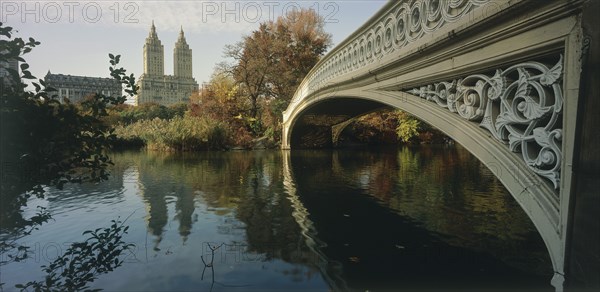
[84, 261]
[44, 142]
[9, 244]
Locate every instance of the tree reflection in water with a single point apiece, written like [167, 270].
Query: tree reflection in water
[246, 190]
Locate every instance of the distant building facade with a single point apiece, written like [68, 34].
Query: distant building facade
[154, 85]
[75, 88]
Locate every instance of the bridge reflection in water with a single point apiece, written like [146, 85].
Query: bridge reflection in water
[418, 218]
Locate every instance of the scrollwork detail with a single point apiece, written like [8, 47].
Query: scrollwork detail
[521, 106]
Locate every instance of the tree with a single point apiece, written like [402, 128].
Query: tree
[304, 43]
[219, 100]
[408, 126]
[270, 63]
[254, 62]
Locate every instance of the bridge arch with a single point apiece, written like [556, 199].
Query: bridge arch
[533, 193]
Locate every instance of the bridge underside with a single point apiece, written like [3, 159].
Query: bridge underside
[313, 129]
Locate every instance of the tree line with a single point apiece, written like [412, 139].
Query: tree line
[241, 106]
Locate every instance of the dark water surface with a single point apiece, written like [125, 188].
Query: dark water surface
[425, 218]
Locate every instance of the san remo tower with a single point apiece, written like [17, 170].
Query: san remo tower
[163, 89]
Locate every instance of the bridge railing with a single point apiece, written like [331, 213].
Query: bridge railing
[395, 26]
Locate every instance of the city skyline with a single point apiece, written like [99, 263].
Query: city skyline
[158, 87]
[76, 37]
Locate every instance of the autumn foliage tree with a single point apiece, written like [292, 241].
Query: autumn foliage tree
[219, 100]
[269, 64]
[305, 42]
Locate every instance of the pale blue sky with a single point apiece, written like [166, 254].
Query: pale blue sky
[77, 36]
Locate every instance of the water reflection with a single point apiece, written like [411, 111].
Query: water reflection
[419, 218]
[330, 269]
[307, 220]
[245, 191]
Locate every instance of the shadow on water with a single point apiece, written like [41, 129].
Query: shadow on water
[419, 218]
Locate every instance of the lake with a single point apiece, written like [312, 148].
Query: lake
[409, 218]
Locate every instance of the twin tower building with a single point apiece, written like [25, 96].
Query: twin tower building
[154, 85]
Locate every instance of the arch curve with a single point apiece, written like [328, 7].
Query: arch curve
[534, 194]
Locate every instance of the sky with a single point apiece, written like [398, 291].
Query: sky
[77, 36]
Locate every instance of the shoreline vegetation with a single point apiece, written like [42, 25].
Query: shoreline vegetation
[184, 128]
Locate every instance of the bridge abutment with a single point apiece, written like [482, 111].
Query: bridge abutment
[583, 242]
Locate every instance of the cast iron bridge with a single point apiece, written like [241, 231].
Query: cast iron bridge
[504, 78]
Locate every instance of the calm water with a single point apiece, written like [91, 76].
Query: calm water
[410, 218]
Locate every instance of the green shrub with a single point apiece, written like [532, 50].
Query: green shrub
[181, 133]
[408, 127]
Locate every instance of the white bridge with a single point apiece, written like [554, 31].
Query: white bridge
[505, 78]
